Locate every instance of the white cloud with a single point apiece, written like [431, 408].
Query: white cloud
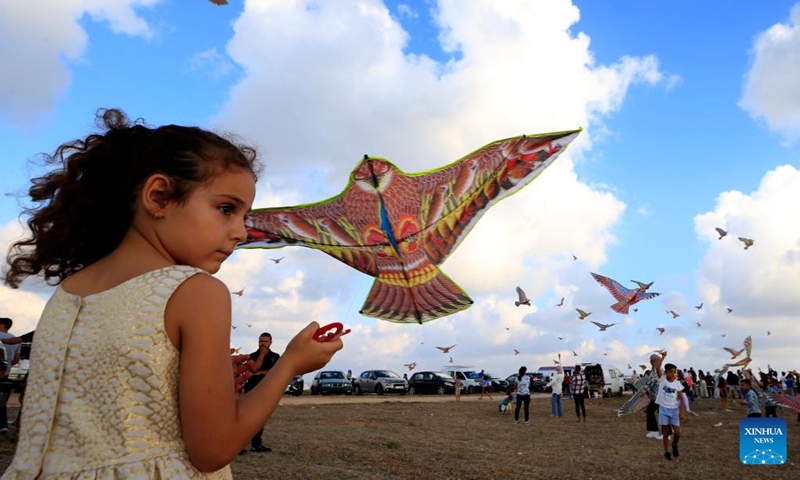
[213, 63]
[772, 85]
[759, 284]
[44, 39]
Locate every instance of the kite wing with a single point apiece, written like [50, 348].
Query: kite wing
[619, 292]
[748, 345]
[400, 227]
[784, 401]
[647, 391]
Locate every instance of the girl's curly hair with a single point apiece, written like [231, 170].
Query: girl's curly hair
[86, 203]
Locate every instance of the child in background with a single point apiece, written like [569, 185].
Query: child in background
[505, 404]
[750, 399]
[131, 372]
[770, 406]
[722, 387]
[457, 387]
[556, 383]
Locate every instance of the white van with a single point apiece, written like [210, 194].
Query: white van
[605, 380]
[468, 375]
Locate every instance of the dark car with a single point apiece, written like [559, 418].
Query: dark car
[431, 382]
[498, 384]
[538, 382]
[331, 381]
[296, 386]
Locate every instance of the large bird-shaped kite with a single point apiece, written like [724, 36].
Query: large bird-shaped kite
[624, 297]
[400, 227]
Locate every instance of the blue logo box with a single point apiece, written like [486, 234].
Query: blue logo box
[762, 441]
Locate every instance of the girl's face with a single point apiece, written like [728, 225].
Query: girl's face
[203, 231]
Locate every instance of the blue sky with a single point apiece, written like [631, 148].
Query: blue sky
[691, 115]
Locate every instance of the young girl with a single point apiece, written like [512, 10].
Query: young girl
[131, 374]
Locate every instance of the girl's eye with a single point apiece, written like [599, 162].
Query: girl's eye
[227, 209]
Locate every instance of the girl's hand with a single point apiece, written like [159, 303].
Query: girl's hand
[241, 371]
[307, 354]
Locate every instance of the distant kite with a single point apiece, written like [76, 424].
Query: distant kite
[446, 349]
[625, 297]
[219, 2]
[748, 242]
[721, 232]
[583, 314]
[523, 299]
[603, 326]
[400, 227]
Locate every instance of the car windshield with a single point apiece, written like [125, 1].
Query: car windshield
[329, 375]
[472, 375]
[443, 376]
[386, 373]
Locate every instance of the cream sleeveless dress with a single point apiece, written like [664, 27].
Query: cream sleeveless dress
[102, 395]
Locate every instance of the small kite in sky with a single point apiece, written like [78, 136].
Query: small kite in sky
[451, 359]
[400, 227]
[234, 326]
[769, 333]
[674, 315]
[603, 326]
[574, 353]
[516, 352]
[582, 314]
[629, 367]
[410, 366]
[219, 2]
[699, 306]
[660, 329]
[721, 232]
[446, 349]
[698, 324]
[574, 258]
[561, 303]
[523, 299]
[561, 337]
[238, 293]
[277, 260]
[625, 297]
[729, 309]
[748, 242]
[724, 334]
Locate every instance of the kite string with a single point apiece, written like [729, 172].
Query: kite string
[353, 297]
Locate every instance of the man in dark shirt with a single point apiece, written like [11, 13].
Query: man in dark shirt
[263, 361]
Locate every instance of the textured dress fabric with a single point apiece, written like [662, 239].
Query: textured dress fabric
[102, 395]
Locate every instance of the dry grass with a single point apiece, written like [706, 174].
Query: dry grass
[433, 437]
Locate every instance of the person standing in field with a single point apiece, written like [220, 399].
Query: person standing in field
[578, 388]
[522, 384]
[555, 384]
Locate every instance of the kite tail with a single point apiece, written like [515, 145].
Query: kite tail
[621, 307]
[417, 297]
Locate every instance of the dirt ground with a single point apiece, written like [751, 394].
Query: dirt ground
[420, 437]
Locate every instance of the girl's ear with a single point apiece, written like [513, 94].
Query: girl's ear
[155, 194]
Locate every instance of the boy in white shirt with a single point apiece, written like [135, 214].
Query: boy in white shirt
[671, 410]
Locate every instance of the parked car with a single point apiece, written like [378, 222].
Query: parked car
[431, 382]
[380, 382]
[331, 381]
[498, 384]
[538, 383]
[296, 386]
[470, 378]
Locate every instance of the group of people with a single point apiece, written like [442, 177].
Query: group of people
[520, 394]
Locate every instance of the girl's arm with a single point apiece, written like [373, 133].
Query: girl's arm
[215, 424]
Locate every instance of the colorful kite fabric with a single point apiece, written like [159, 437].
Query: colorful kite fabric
[400, 227]
[625, 297]
[646, 390]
